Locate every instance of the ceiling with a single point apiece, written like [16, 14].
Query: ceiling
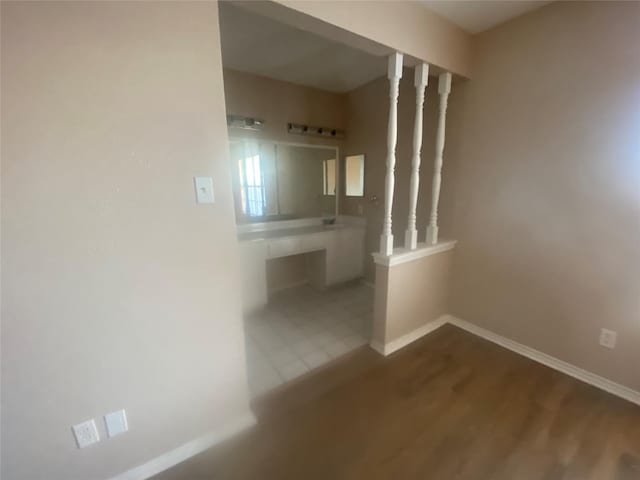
[259, 45]
[476, 16]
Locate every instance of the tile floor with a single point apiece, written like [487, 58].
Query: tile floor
[302, 329]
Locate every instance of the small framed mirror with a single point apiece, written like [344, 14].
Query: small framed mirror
[354, 175]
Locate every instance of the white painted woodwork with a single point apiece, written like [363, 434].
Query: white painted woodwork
[163, 462]
[340, 257]
[349, 261]
[403, 255]
[394, 73]
[444, 88]
[420, 81]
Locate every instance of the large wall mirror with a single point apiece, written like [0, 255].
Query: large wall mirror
[283, 181]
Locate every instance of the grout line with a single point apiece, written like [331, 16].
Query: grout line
[328, 312]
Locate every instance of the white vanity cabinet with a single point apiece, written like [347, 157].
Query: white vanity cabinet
[341, 248]
[346, 255]
[253, 275]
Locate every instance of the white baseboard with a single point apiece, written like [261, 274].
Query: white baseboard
[403, 341]
[189, 449]
[377, 346]
[552, 362]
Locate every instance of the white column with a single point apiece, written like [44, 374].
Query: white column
[444, 88]
[421, 79]
[394, 74]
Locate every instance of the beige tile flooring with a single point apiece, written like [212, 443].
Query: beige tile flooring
[302, 329]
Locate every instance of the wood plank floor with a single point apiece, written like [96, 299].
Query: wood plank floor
[450, 406]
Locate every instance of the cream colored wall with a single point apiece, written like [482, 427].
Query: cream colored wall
[543, 156]
[367, 109]
[410, 295]
[118, 290]
[278, 103]
[379, 27]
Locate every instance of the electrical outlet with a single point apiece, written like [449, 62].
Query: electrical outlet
[86, 433]
[608, 338]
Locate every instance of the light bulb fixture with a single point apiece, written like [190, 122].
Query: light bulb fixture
[299, 129]
[245, 123]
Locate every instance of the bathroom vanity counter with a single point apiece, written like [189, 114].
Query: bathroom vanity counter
[336, 255]
[288, 232]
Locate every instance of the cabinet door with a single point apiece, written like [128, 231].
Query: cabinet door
[349, 248]
[283, 247]
[253, 257]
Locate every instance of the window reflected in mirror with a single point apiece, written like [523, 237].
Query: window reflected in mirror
[354, 176]
[279, 181]
[251, 186]
[329, 176]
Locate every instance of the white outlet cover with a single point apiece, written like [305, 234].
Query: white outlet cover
[608, 338]
[86, 433]
[204, 189]
[116, 423]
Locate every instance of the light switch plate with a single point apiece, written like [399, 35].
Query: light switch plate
[86, 433]
[204, 189]
[116, 423]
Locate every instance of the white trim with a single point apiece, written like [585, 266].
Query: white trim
[395, 345]
[402, 255]
[189, 449]
[597, 381]
[378, 347]
[552, 362]
[444, 88]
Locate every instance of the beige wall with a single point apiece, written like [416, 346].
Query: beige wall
[118, 290]
[368, 110]
[379, 27]
[278, 103]
[544, 148]
[410, 295]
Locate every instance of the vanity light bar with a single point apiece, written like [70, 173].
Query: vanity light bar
[299, 129]
[246, 123]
